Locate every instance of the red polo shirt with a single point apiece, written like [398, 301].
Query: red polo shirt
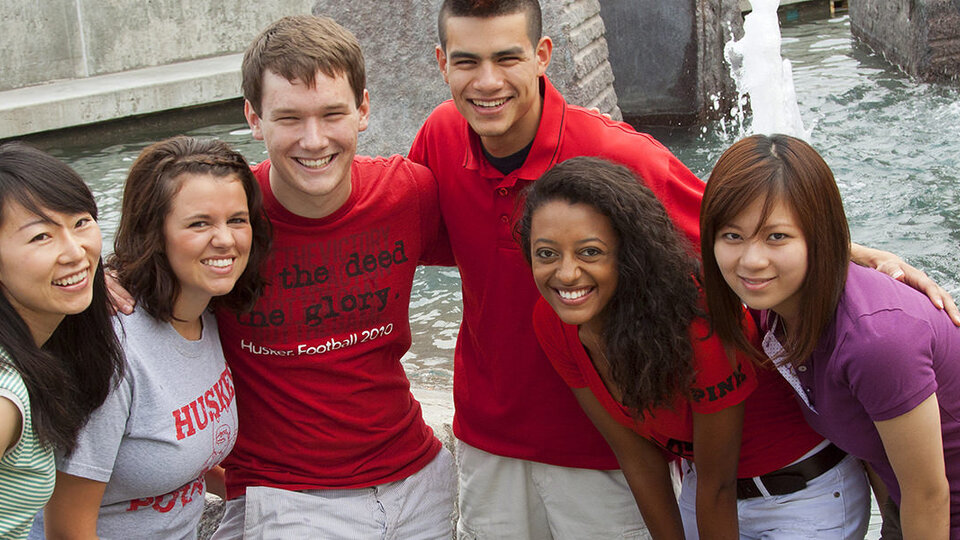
[509, 399]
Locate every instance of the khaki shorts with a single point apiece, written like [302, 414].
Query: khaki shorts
[419, 507]
[503, 497]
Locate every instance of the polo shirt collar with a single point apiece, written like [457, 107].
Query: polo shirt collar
[546, 143]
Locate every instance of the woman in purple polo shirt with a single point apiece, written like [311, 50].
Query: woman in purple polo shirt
[876, 366]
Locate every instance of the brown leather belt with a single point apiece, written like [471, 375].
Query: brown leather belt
[792, 478]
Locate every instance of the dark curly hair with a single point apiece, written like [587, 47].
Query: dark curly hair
[139, 258]
[646, 338]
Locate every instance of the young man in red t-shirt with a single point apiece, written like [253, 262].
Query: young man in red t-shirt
[331, 442]
[330, 434]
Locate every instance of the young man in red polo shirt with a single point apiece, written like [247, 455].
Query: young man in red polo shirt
[531, 465]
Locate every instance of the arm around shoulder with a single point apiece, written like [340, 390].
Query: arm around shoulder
[897, 268]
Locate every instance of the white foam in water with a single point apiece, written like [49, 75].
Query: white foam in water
[761, 73]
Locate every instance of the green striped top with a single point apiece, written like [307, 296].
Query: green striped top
[27, 471]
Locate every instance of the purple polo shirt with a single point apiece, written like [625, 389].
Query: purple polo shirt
[886, 351]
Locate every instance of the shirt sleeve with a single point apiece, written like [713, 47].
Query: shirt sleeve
[7, 394]
[550, 332]
[99, 440]
[433, 233]
[887, 361]
[719, 382]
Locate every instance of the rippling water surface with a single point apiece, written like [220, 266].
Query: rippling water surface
[893, 144]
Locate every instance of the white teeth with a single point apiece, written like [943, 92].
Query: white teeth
[219, 263]
[490, 104]
[572, 295]
[315, 163]
[70, 280]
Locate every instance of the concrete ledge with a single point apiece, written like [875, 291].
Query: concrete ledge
[77, 102]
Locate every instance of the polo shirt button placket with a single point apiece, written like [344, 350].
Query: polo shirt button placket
[503, 192]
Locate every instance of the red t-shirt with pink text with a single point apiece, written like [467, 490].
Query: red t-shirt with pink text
[718, 382]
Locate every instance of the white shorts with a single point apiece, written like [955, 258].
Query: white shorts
[419, 507]
[502, 497]
[833, 506]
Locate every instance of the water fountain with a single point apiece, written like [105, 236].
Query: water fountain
[759, 71]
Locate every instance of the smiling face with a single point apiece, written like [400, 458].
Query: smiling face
[494, 75]
[573, 253]
[207, 239]
[47, 266]
[764, 263]
[311, 138]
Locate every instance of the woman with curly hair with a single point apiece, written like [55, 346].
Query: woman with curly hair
[621, 320]
[192, 235]
[58, 353]
[873, 363]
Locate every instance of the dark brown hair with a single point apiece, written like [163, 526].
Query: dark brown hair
[299, 46]
[646, 337]
[71, 375]
[778, 168]
[491, 8]
[154, 179]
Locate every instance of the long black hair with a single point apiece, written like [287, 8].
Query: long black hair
[646, 336]
[72, 373]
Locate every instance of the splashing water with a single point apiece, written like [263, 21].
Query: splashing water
[760, 72]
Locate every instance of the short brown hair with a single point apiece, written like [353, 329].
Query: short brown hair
[299, 46]
[154, 179]
[491, 8]
[778, 168]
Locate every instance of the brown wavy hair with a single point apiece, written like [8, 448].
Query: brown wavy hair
[777, 168]
[646, 338]
[139, 259]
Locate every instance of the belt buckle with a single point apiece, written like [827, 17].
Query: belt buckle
[784, 484]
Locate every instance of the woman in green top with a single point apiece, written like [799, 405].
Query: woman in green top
[58, 352]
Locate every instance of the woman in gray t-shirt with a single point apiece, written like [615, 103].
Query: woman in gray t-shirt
[192, 235]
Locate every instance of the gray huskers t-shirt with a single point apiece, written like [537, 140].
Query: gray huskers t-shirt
[172, 418]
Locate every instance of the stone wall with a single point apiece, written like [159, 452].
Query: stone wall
[69, 39]
[405, 83]
[921, 36]
[668, 57]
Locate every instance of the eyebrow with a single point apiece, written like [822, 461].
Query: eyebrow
[40, 220]
[294, 111]
[776, 224]
[460, 55]
[579, 242]
[208, 216]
